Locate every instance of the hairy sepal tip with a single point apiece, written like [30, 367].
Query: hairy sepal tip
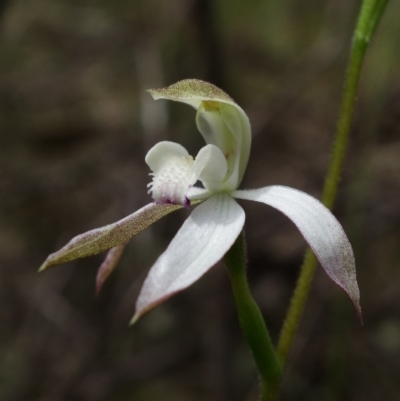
[357, 307]
[43, 267]
[135, 318]
[154, 94]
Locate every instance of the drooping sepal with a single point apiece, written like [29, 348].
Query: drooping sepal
[320, 229]
[201, 242]
[108, 265]
[104, 238]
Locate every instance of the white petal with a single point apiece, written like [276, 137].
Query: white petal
[215, 132]
[172, 173]
[198, 194]
[321, 230]
[211, 125]
[227, 126]
[210, 167]
[238, 123]
[163, 151]
[103, 238]
[202, 241]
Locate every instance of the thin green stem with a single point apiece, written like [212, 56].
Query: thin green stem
[252, 322]
[370, 14]
[296, 307]
[378, 11]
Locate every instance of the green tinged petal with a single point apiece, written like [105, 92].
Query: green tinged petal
[193, 92]
[109, 264]
[104, 238]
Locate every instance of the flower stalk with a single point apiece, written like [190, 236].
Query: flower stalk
[252, 322]
[369, 16]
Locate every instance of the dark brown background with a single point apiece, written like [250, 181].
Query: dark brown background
[75, 125]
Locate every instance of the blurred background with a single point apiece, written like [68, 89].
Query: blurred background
[75, 126]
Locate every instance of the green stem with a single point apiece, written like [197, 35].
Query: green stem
[370, 14]
[252, 322]
[378, 11]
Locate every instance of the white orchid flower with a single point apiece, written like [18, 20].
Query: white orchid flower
[211, 229]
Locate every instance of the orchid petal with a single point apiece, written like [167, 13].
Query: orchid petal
[219, 119]
[162, 152]
[173, 174]
[197, 194]
[215, 132]
[321, 230]
[107, 267]
[101, 239]
[202, 241]
[210, 167]
[238, 123]
[224, 126]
